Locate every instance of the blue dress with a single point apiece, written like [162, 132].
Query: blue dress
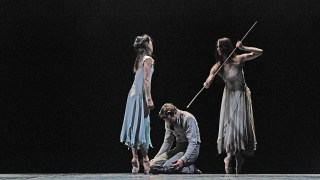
[136, 123]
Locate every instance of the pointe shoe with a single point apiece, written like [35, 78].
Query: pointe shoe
[146, 165]
[239, 163]
[135, 165]
[227, 164]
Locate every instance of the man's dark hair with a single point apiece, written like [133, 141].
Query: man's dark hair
[166, 110]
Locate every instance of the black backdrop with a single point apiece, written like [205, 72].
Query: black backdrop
[66, 70]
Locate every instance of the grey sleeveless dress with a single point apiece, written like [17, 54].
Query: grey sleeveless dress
[236, 124]
[136, 123]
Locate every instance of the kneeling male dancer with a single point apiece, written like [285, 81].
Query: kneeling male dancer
[182, 126]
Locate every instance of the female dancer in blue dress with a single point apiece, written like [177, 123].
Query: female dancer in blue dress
[135, 131]
[236, 126]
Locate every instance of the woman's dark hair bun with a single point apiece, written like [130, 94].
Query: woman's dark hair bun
[140, 41]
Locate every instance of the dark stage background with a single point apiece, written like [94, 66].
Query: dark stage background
[66, 70]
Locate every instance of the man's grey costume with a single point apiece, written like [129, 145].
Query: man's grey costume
[186, 132]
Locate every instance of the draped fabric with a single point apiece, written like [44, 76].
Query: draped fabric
[136, 123]
[236, 124]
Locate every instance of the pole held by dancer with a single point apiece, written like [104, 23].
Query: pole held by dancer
[222, 64]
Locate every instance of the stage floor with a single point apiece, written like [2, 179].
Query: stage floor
[160, 177]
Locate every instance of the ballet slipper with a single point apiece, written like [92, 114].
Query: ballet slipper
[239, 163]
[146, 165]
[227, 164]
[135, 165]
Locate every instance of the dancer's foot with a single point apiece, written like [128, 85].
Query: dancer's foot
[197, 171]
[239, 163]
[227, 164]
[146, 165]
[135, 165]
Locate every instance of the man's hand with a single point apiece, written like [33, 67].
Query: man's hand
[177, 164]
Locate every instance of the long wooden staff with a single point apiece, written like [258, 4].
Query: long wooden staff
[222, 64]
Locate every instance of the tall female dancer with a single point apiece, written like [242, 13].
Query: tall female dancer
[236, 126]
[135, 131]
